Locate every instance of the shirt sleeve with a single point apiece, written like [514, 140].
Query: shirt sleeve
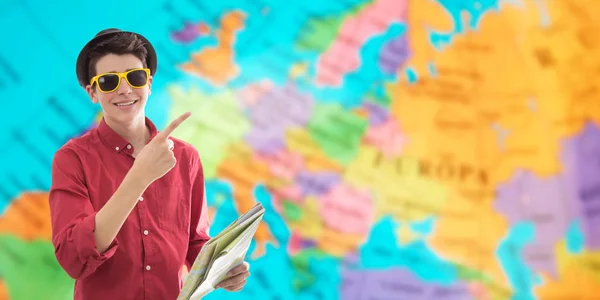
[199, 225]
[73, 218]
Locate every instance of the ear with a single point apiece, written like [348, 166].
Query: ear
[91, 93]
[150, 86]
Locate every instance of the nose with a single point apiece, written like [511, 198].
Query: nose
[124, 87]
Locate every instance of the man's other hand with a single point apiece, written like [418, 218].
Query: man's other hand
[236, 278]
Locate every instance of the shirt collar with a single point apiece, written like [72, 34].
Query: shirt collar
[116, 142]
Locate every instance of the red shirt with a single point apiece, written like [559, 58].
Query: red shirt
[166, 229]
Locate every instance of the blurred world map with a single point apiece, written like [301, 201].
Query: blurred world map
[403, 149]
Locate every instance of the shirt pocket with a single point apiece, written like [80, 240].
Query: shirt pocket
[173, 208]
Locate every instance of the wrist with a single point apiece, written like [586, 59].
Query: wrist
[137, 179]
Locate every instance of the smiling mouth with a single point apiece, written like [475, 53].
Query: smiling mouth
[126, 103]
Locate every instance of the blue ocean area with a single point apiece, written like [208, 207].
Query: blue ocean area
[382, 251]
[510, 254]
[575, 238]
[66, 106]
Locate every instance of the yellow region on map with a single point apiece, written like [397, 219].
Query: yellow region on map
[310, 224]
[313, 155]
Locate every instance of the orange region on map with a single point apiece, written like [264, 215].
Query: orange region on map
[493, 102]
[361, 112]
[203, 28]
[569, 45]
[343, 56]
[581, 270]
[469, 233]
[244, 172]
[573, 275]
[3, 291]
[574, 283]
[28, 217]
[497, 103]
[424, 16]
[339, 244]
[216, 64]
[571, 268]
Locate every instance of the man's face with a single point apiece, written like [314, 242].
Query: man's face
[116, 104]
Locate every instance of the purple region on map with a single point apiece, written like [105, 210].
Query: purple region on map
[396, 283]
[581, 156]
[549, 203]
[273, 114]
[317, 184]
[394, 54]
[377, 113]
[393, 283]
[187, 34]
[307, 244]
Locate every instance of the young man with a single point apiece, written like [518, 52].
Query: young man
[127, 202]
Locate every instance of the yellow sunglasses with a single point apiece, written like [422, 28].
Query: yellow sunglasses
[110, 82]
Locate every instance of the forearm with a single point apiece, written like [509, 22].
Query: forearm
[112, 215]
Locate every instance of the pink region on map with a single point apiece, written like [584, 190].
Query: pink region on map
[348, 209]
[283, 163]
[581, 156]
[549, 203]
[297, 243]
[251, 93]
[387, 137]
[343, 56]
[290, 193]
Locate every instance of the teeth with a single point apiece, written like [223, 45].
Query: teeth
[125, 104]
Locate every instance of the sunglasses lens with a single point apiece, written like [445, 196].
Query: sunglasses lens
[137, 78]
[108, 82]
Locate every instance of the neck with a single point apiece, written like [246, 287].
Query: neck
[135, 132]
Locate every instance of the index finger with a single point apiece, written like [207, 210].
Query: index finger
[167, 132]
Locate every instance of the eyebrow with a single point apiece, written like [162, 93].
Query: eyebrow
[120, 72]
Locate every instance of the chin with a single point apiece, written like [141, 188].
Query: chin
[124, 116]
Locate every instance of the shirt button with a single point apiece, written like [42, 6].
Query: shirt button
[128, 146]
[148, 268]
[145, 232]
[141, 199]
[117, 148]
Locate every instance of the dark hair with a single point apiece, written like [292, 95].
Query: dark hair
[119, 44]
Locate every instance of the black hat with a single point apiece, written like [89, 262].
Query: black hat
[83, 59]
